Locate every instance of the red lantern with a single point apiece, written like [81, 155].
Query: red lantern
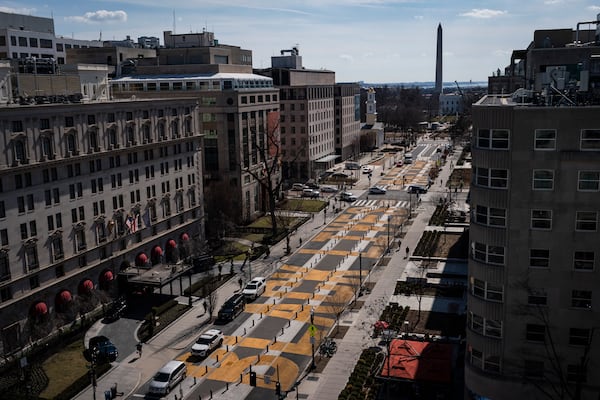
[40, 308]
[172, 244]
[185, 237]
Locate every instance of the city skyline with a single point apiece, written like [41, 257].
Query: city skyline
[361, 40]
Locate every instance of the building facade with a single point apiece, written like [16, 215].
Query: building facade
[29, 37]
[94, 189]
[534, 304]
[307, 106]
[347, 120]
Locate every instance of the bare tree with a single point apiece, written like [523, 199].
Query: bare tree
[209, 292]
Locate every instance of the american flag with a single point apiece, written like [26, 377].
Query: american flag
[131, 223]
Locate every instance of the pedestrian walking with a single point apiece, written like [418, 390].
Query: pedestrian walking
[407, 252]
[240, 282]
[138, 349]
[205, 304]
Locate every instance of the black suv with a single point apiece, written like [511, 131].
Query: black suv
[102, 349]
[232, 307]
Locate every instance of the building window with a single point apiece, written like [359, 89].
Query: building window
[588, 181]
[490, 216]
[31, 257]
[486, 290]
[535, 333]
[579, 337]
[543, 179]
[488, 254]
[476, 358]
[590, 139]
[539, 258]
[492, 178]
[533, 369]
[541, 219]
[583, 261]
[537, 298]
[586, 221]
[484, 326]
[496, 139]
[576, 373]
[4, 268]
[545, 139]
[57, 249]
[581, 299]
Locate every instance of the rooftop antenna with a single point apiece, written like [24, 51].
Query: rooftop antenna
[100, 35]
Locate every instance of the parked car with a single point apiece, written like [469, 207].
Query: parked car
[328, 189]
[417, 189]
[297, 187]
[311, 184]
[347, 196]
[255, 288]
[232, 307]
[207, 342]
[103, 349]
[399, 163]
[116, 309]
[377, 190]
[367, 169]
[167, 377]
[340, 175]
[310, 193]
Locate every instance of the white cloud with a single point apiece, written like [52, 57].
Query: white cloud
[552, 1]
[594, 8]
[483, 13]
[25, 11]
[418, 17]
[100, 16]
[347, 57]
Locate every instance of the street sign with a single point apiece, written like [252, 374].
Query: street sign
[312, 330]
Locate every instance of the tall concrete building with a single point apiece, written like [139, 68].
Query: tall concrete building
[534, 303]
[103, 191]
[307, 125]
[347, 120]
[438, 62]
[238, 117]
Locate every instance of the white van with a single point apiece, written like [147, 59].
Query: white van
[168, 377]
[408, 158]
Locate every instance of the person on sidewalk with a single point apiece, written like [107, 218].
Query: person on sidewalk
[407, 252]
[240, 282]
[138, 349]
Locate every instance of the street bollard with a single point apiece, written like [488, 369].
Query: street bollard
[273, 301]
[194, 380]
[241, 377]
[275, 339]
[244, 331]
[289, 322]
[227, 348]
[236, 339]
[211, 394]
[206, 372]
[253, 323]
[217, 357]
[260, 315]
[301, 307]
[267, 348]
[226, 386]
[282, 331]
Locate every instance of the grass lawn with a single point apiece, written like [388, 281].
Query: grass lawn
[306, 205]
[63, 368]
[254, 237]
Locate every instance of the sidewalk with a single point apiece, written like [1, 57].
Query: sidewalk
[328, 384]
[169, 343]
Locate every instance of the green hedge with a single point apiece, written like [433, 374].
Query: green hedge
[81, 383]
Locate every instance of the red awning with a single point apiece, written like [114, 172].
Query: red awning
[141, 259]
[172, 244]
[40, 308]
[64, 297]
[185, 237]
[86, 286]
[157, 251]
[107, 276]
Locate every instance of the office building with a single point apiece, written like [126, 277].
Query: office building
[92, 194]
[307, 106]
[347, 120]
[534, 273]
[28, 37]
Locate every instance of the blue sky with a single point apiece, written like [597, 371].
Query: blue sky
[361, 40]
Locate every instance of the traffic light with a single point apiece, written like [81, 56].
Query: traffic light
[252, 378]
[278, 388]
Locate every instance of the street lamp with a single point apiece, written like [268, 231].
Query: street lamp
[388, 234]
[360, 271]
[312, 338]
